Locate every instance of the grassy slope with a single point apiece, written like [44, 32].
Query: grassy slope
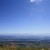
[15, 48]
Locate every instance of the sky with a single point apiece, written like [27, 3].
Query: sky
[24, 16]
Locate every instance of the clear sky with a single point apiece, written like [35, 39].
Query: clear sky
[24, 16]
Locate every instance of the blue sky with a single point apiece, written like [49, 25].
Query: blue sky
[24, 16]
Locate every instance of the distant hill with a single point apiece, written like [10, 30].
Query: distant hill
[23, 37]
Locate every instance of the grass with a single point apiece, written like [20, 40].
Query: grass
[25, 46]
[21, 48]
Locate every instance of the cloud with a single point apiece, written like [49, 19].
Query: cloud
[35, 1]
[32, 0]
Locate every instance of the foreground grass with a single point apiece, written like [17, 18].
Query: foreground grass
[22, 48]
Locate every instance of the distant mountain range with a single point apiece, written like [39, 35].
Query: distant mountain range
[24, 37]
